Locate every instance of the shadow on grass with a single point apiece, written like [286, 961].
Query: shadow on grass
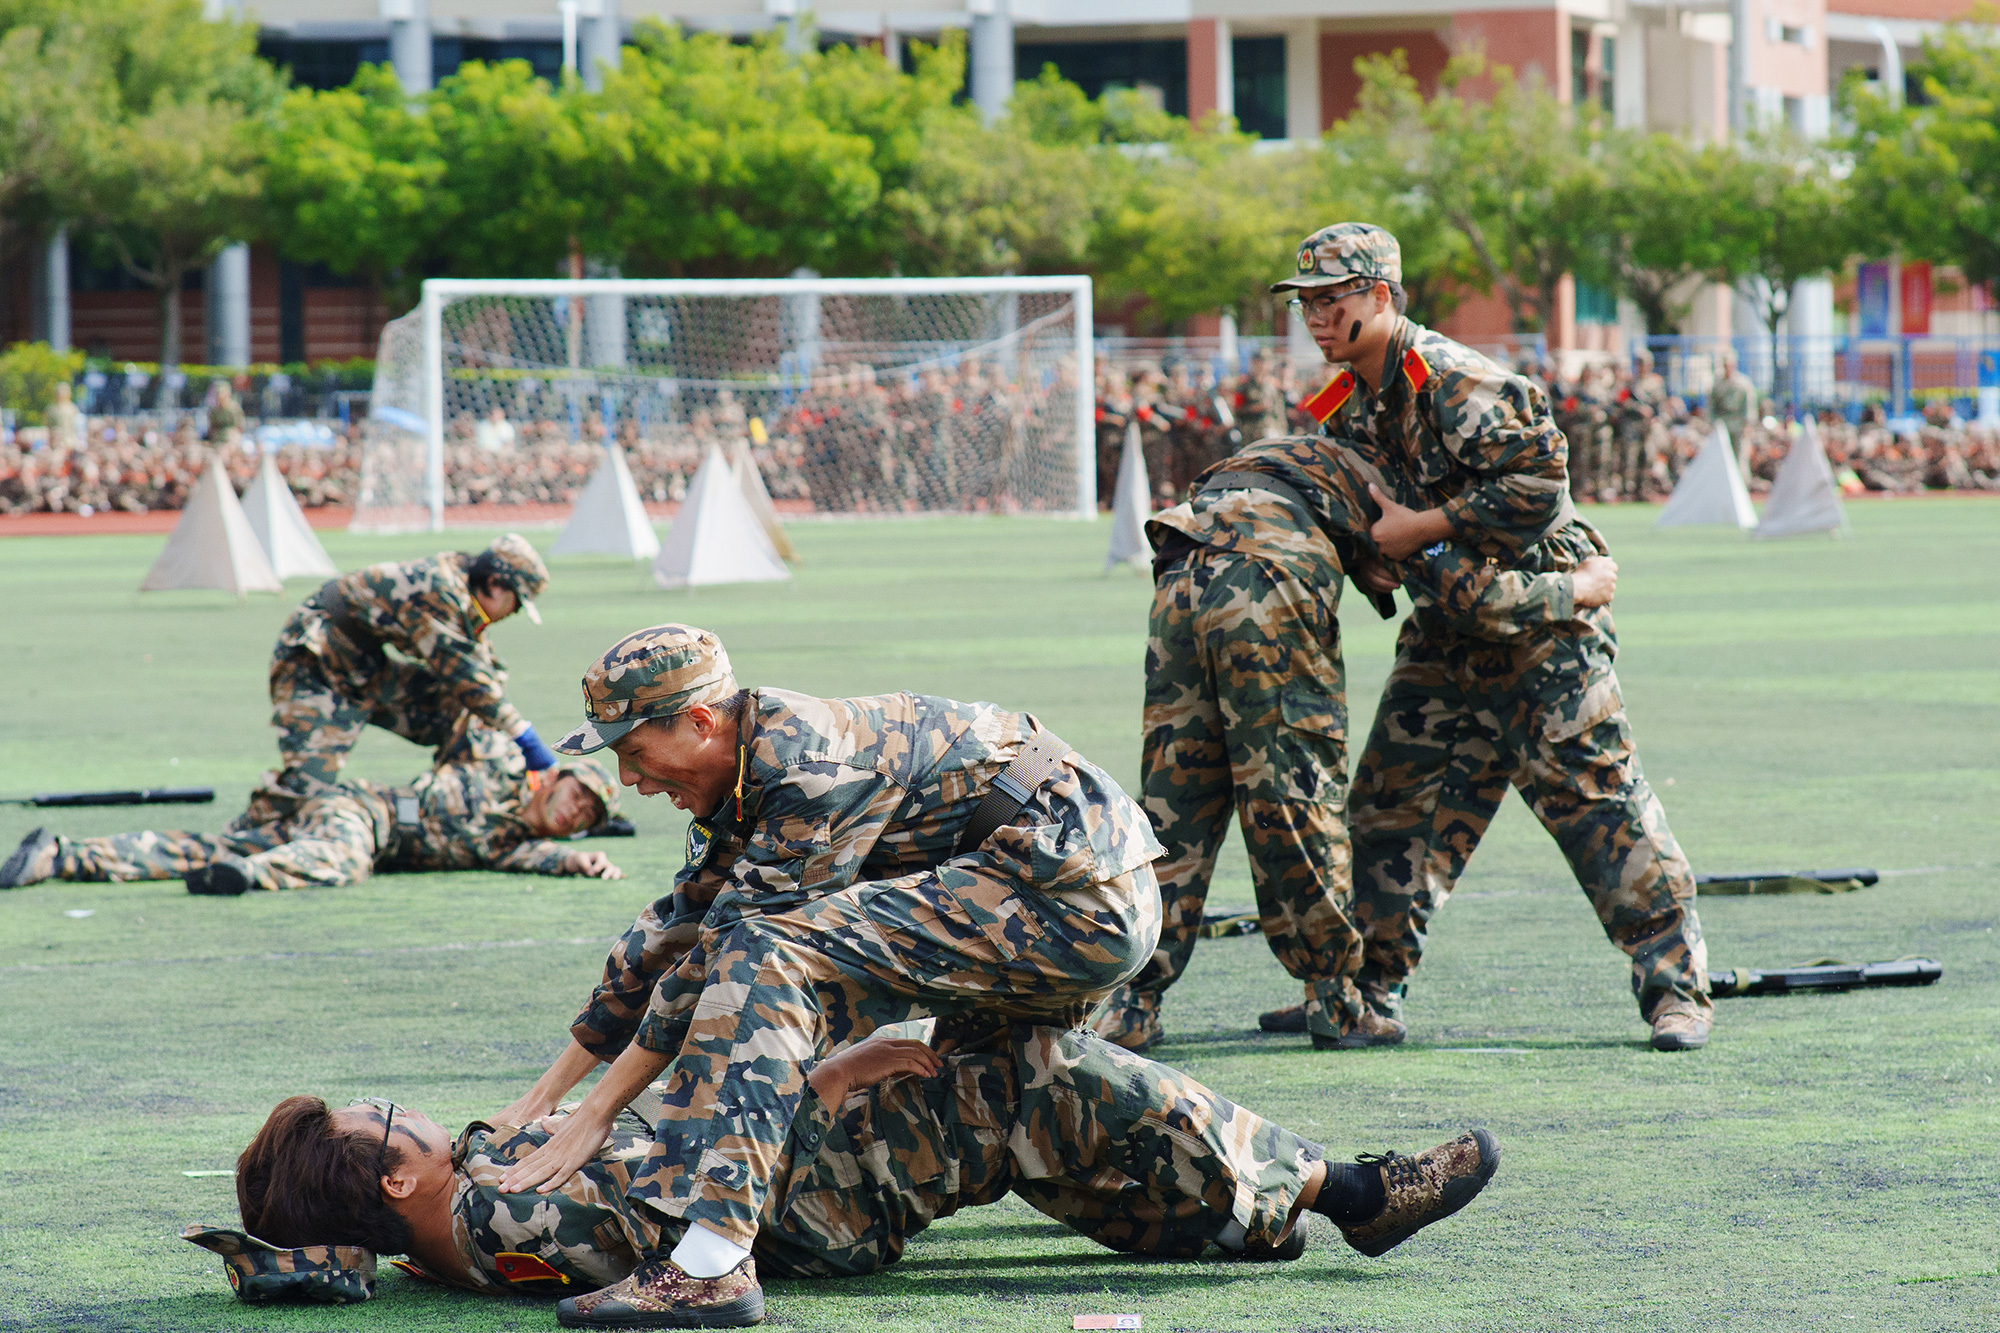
[1262, 1042]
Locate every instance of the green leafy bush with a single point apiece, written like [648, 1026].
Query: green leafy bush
[29, 373]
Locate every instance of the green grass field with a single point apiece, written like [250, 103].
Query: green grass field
[1828, 1162]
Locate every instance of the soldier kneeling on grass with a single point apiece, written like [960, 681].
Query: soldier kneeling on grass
[479, 809]
[892, 1135]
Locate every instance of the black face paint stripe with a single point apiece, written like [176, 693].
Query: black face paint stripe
[1354, 332]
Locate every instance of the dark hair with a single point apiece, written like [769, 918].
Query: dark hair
[487, 569]
[305, 1181]
[1397, 296]
[729, 710]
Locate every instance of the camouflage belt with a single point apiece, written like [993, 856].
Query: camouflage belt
[1016, 785]
[1343, 543]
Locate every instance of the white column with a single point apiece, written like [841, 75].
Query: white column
[1811, 323]
[229, 307]
[1628, 74]
[600, 41]
[55, 291]
[410, 43]
[1302, 109]
[1741, 34]
[992, 56]
[1225, 69]
[1226, 347]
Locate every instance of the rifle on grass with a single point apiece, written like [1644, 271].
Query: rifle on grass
[1825, 974]
[1786, 881]
[142, 796]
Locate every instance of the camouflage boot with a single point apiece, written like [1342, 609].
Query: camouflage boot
[32, 862]
[1371, 1029]
[1427, 1188]
[660, 1295]
[1130, 1019]
[1680, 1027]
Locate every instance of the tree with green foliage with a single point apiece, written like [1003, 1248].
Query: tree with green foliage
[351, 180]
[1781, 217]
[1521, 176]
[1928, 176]
[29, 374]
[1668, 198]
[53, 101]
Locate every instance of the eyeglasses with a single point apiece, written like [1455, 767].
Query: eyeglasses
[1321, 306]
[388, 1110]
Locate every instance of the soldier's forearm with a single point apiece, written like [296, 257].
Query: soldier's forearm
[569, 1069]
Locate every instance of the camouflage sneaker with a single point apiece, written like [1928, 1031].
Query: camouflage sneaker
[1371, 1029]
[1131, 1020]
[1291, 1018]
[30, 863]
[226, 876]
[1679, 1030]
[660, 1295]
[1427, 1188]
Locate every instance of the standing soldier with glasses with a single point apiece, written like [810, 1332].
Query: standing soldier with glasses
[1463, 717]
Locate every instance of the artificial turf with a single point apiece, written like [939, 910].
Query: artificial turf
[1828, 1162]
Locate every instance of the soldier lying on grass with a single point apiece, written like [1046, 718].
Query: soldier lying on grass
[891, 1136]
[479, 809]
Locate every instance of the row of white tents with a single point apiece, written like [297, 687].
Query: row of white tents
[727, 530]
[1804, 498]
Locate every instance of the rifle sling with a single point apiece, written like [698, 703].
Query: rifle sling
[1038, 761]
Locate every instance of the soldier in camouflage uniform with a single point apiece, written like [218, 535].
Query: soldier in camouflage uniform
[330, 675]
[890, 1137]
[1639, 423]
[1463, 717]
[854, 862]
[1246, 708]
[1732, 404]
[480, 809]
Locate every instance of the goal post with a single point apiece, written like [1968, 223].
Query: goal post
[855, 396]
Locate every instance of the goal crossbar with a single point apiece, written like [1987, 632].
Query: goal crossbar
[438, 292]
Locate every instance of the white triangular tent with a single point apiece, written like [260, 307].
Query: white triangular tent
[1131, 506]
[1804, 497]
[281, 529]
[752, 482]
[212, 546]
[1711, 490]
[609, 518]
[715, 537]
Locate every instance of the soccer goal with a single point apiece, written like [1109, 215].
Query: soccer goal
[853, 396]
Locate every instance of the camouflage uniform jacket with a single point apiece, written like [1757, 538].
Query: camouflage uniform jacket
[422, 608]
[1463, 428]
[1477, 595]
[845, 791]
[580, 1236]
[465, 814]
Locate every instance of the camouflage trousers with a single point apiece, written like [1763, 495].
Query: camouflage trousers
[1246, 715]
[332, 841]
[320, 709]
[1460, 720]
[758, 999]
[1136, 1156]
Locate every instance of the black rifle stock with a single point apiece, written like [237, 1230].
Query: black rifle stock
[141, 796]
[1827, 974]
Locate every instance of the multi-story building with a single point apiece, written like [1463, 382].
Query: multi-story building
[1283, 68]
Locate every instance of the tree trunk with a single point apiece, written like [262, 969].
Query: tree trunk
[170, 321]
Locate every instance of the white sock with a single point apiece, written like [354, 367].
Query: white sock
[1232, 1236]
[705, 1253]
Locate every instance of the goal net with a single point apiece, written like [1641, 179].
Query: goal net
[852, 396]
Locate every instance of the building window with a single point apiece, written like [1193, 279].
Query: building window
[1096, 66]
[1579, 66]
[1607, 74]
[322, 65]
[1259, 63]
[1595, 305]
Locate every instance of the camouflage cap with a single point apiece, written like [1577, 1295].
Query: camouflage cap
[595, 781]
[260, 1271]
[1344, 252]
[525, 570]
[657, 672]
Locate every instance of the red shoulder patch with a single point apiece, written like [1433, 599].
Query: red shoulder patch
[1416, 368]
[1331, 398]
[526, 1268]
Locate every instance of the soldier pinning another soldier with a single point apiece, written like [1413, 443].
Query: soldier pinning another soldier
[331, 675]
